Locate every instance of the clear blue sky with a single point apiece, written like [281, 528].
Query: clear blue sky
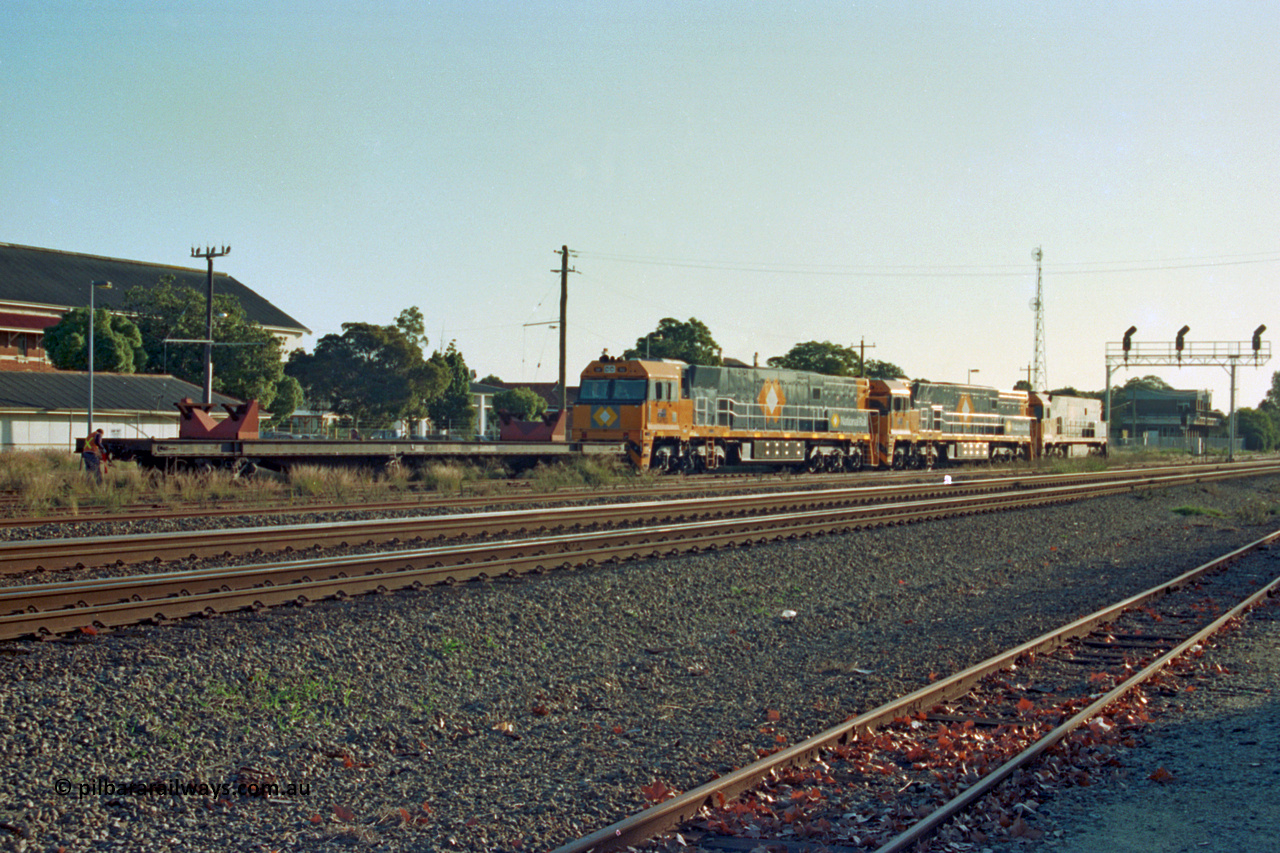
[781, 171]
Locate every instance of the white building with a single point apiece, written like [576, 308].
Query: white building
[50, 409]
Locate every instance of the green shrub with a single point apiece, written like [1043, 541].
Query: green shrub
[1197, 510]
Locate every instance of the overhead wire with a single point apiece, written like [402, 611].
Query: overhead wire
[942, 271]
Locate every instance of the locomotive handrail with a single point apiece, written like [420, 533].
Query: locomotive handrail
[733, 413]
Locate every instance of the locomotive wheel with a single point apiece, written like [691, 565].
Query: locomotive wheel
[853, 462]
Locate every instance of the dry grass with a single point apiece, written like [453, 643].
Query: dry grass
[1072, 465]
[313, 481]
[444, 477]
[577, 473]
[46, 482]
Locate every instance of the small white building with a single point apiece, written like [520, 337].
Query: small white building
[49, 409]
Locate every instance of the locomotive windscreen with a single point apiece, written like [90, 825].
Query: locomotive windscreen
[612, 390]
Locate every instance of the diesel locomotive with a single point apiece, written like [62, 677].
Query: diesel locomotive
[675, 416]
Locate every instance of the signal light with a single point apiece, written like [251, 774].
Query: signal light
[1257, 337]
[1128, 342]
[1180, 343]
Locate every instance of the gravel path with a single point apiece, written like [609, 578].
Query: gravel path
[520, 713]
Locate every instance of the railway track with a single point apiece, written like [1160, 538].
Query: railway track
[488, 493]
[516, 493]
[957, 741]
[17, 557]
[512, 495]
[651, 530]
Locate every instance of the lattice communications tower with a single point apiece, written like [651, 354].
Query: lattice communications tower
[1040, 366]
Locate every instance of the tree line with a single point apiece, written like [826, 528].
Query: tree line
[1260, 426]
[156, 331]
[380, 376]
[692, 343]
[372, 375]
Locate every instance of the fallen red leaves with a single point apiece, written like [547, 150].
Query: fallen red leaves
[916, 763]
[657, 791]
[873, 786]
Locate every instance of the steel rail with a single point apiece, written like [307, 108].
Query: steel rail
[517, 492]
[669, 814]
[87, 552]
[509, 492]
[91, 551]
[46, 609]
[593, 545]
[988, 782]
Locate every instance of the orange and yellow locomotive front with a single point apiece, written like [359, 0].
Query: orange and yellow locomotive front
[636, 402]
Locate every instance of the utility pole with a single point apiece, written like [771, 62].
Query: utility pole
[862, 356]
[209, 254]
[564, 271]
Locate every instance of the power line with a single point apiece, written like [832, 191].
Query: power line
[944, 271]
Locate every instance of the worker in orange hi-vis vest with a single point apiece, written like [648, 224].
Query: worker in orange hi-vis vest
[94, 455]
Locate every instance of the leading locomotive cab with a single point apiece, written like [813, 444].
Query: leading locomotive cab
[640, 403]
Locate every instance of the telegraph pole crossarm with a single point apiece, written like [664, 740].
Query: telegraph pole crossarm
[209, 253]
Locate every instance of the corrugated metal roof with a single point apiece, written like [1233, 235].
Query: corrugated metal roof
[49, 277]
[65, 390]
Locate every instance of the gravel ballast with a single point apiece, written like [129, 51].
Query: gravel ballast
[518, 714]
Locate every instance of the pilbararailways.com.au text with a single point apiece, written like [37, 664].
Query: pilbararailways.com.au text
[104, 787]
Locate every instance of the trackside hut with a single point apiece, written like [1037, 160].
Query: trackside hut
[42, 410]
